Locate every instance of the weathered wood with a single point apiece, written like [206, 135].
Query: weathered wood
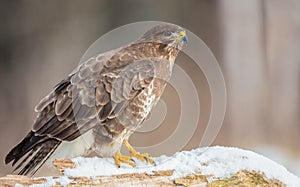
[62, 164]
[157, 178]
[11, 180]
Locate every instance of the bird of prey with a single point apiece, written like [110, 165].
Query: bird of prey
[105, 99]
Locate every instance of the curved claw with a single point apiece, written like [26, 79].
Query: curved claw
[150, 160]
[131, 159]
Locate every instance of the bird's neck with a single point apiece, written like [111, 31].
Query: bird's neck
[157, 50]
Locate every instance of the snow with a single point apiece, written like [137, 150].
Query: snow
[217, 162]
[281, 155]
[220, 162]
[50, 181]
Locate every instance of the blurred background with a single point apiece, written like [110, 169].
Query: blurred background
[256, 43]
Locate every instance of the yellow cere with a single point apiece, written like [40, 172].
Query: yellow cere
[182, 33]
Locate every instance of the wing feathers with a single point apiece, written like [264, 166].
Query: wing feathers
[63, 101]
[66, 114]
[67, 131]
[105, 111]
[50, 98]
[102, 96]
[102, 86]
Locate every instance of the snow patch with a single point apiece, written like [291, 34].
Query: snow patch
[50, 181]
[219, 162]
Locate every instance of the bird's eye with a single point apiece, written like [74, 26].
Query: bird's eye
[167, 33]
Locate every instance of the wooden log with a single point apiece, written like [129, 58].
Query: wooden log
[61, 164]
[12, 180]
[160, 178]
[155, 177]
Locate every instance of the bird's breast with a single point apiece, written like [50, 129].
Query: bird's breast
[142, 105]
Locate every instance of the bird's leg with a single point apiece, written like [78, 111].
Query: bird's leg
[134, 153]
[119, 158]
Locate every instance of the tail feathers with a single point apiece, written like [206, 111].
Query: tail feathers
[39, 158]
[37, 148]
[23, 147]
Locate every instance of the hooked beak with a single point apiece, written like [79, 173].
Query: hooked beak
[180, 39]
[183, 37]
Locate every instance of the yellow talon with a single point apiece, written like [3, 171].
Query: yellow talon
[134, 153]
[119, 158]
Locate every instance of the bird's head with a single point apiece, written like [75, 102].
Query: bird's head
[166, 34]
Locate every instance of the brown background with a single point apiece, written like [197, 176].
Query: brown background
[255, 42]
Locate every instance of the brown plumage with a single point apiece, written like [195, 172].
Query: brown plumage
[111, 93]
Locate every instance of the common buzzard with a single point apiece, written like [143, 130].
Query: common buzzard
[104, 99]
